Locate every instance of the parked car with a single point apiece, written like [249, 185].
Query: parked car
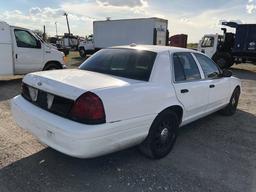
[124, 96]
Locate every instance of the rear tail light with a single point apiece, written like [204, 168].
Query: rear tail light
[88, 108]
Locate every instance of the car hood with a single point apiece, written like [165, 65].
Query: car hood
[71, 83]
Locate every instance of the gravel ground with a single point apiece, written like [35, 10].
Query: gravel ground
[215, 153]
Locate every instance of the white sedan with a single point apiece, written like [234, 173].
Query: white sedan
[124, 96]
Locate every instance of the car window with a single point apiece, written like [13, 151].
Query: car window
[207, 42]
[210, 69]
[128, 63]
[25, 39]
[185, 67]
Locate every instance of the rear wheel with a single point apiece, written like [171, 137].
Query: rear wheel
[224, 60]
[230, 109]
[162, 135]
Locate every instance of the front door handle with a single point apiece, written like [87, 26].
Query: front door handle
[184, 90]
[211, 86]
[16, 56]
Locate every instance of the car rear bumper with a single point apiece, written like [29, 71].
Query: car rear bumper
[76, 139]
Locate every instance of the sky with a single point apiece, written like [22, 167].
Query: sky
[192, 17]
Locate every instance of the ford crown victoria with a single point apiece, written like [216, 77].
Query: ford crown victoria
[124, 96]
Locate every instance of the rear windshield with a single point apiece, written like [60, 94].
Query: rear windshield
[128, 63]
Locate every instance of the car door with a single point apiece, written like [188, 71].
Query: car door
[218, 87]
[191, 90]
[28, 53]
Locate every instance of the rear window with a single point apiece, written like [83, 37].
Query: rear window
[128, 63]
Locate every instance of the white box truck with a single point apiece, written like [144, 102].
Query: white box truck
[149, 31]
[22, 51]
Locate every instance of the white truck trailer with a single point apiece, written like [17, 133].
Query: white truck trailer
[149, 31]
[22, 51]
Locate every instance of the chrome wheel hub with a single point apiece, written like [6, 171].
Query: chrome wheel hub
[164, 134]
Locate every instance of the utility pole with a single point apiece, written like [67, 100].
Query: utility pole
[44, 34]
[66, 14]
[56, 29]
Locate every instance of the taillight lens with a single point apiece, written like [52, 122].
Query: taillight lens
[88, 108]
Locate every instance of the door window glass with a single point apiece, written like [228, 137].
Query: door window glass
[25, 39]
[185, 67]
[209, 67]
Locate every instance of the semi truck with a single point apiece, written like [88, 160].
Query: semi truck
[22, 51]
[230, 48]
[108, 33]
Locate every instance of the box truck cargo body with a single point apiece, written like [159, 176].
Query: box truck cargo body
[21, 52]
[108, 33]
[6, 67]
[179, 40]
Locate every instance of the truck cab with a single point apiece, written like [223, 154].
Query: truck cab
[22, 51]
[209, 44]
[86, 46]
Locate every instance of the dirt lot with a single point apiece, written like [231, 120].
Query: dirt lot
[215, 153]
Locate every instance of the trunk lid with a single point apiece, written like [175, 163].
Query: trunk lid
[71, 83]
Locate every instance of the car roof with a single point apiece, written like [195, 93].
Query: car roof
[155, 48]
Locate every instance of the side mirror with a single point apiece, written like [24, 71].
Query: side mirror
[226, 73]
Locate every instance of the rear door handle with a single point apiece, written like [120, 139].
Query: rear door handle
[184, 90]
[16, 56]
[211, 86]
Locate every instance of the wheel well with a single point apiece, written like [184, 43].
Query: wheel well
[238, 87]
[52, 62]
[177, 109]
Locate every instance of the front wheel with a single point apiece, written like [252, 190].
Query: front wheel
[162, 136]
[52, 66]
[231, 108]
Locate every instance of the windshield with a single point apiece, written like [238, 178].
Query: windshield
[208, 41]
[128, 63]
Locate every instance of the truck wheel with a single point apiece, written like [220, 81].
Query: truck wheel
[82, 52]
[162, 136]
[230, 109]
[224, 60]
[52, 66]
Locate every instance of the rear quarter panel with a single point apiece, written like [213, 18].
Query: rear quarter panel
[136, 100]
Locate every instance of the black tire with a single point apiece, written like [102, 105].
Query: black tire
[224, 60]
[162, 136]
[231, 108]
[52, 66]
[82, 52]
